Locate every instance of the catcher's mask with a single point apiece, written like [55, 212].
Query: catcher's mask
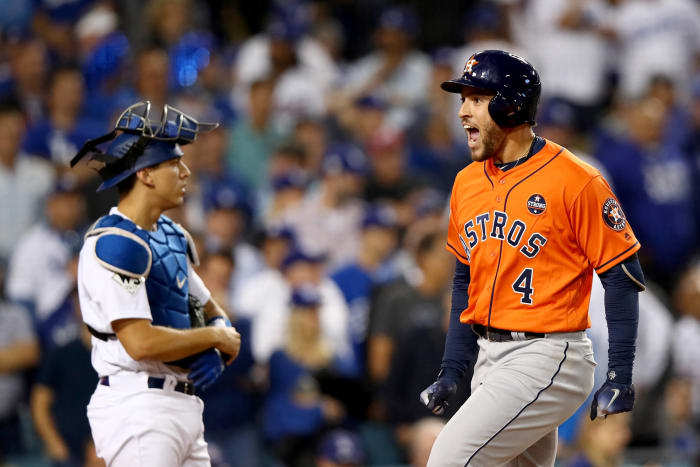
[140, 142]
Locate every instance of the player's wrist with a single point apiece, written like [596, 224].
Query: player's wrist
[619, 375]
[448, 374]
[219, 321]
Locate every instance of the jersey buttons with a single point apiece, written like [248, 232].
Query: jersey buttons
[498, 198]
[502, 181]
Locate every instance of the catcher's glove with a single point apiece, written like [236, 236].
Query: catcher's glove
[196, 310]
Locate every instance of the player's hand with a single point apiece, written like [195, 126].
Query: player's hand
[228, 341]
[206, 369]
[612, 398]
[435, 396]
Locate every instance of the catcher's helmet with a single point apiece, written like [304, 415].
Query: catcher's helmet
[514, 80]
[141, 142]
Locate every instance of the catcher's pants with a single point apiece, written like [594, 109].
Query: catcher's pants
[135, 426]
[521, 391]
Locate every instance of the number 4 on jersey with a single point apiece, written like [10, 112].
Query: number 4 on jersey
[523, 285]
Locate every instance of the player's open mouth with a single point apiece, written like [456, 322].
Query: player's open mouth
[472, 133]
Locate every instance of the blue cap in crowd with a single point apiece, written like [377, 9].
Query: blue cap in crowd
[400, 18]
[296, 255]
[344, 158]
[305, 296]
[342, 447]
[379, 216]
[556, 112]
[294, 179]
[225, 195]
[66, 183]
[371, 102]
[279, 231]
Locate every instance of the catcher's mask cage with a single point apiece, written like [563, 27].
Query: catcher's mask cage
[140, 142]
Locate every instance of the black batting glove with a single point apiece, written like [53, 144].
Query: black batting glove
[612, 398]
[435, 396]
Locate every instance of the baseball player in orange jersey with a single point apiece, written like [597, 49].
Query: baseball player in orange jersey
[529, 223]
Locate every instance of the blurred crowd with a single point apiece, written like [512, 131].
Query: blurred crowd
[319, 207]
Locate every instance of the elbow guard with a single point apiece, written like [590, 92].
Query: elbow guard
[633, 270]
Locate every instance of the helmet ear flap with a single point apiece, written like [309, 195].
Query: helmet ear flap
[505, 112]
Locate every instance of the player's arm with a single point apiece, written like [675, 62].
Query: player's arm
[610, 245]
[622, 284]
[144, 341]
[460, 346]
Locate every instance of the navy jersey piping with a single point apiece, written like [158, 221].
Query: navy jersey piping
[457, 252]
[487, 175]
[500, 250]
[551, 381]
[613, 259]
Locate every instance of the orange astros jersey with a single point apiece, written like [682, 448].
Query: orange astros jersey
[532, 236]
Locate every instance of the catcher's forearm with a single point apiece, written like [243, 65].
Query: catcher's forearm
[143, 341]
[212, 309]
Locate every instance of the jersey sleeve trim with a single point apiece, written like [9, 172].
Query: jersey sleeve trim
[460, 256]
[620, 257]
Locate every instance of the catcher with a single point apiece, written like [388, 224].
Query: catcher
[158, 337]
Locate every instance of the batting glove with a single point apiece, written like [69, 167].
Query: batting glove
[435, 396]
[612, 398]
[206, 369]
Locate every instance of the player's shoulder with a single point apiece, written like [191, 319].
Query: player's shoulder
[571, 168]
[471, 172]
[117, 247]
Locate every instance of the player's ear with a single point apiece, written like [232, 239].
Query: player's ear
[145, 177]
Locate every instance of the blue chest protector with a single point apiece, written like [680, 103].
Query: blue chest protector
[167, 284]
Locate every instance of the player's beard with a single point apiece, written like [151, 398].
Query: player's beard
[492, 138]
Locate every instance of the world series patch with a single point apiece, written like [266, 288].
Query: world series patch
[613, 215]
[536, 204]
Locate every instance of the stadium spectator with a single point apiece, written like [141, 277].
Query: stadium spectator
[403, 306]
[653, 183]
[231, 403]
[358, 280]
[686, 343]
[253, 137]
[265, 299]
[302, 67]
[19, 351]
[58, 136]
[28, 67]
[24, 181]
[645, 30]
[602, 442]
[333, 210]
[417, 351]
[423, 436]
[227, 216]
[395, 71]
[340, 448]
[62, 390]
[39, 275]
[296, 409]
[573, 55]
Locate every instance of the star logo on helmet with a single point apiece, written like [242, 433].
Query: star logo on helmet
[468, 66]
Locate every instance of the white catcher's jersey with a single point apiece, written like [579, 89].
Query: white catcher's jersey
[106, 297]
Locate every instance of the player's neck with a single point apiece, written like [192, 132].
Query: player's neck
[516, 145]
[138, 208]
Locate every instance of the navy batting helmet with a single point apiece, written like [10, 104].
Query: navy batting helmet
[140, 142]
[514, 80]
